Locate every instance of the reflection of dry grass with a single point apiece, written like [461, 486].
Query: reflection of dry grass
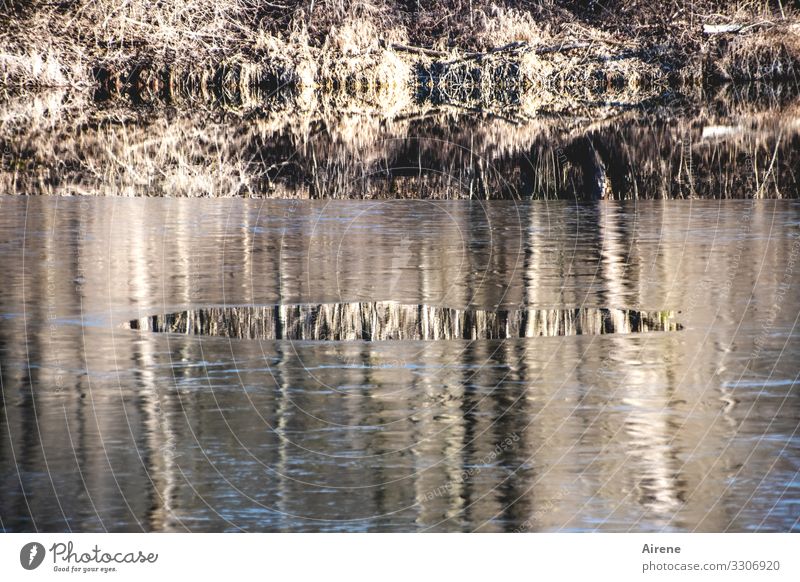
[57, 145]
[308, 100]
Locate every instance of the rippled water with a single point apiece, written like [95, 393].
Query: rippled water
[107, 428]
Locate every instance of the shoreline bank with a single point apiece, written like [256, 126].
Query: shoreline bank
[556, 49]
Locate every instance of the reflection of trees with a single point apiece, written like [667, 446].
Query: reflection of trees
[616, 427]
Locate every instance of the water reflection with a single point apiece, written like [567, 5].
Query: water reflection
[105, 428]
[737, 143]
[386, 320]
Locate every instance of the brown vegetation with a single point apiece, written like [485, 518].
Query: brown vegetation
[154, 45]
[309, 98]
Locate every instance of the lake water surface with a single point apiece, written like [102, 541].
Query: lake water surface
[685, 427]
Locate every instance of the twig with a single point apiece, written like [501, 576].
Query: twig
[508, 48]
[733, 28]
[413, 49]
[562, 48]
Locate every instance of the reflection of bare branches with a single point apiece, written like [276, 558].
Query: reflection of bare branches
[388, 320]
[60, 144]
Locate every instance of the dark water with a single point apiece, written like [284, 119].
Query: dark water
[107, 428]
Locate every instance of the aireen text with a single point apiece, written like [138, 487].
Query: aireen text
[66, 554]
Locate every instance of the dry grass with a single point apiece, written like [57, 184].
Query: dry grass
[319, 42]
[253, 79]
[772, 54]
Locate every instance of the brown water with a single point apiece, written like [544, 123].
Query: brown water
[107, 428]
